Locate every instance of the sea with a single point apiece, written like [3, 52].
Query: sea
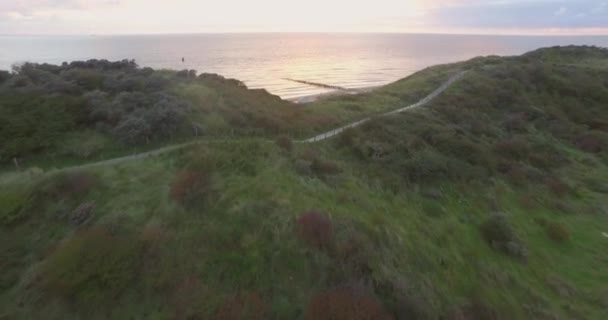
[273, 60]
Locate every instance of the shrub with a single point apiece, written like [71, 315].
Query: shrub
[515, 173]
[303, 167]
[190, 187]
[12, 202]
[432, 209]
[187, 299]
[152, 234]
[309, 154]
[322, 168]
[315, 228]
[515, 122]
[92, 266]
[476, 309]
[82, 213]
[425, 166]
[285, 143]
[345, 304]
[514, 148]
[133, 130]
[243, 306]
[593, 142]
[70, 185]
[557, 186]
[557, 231]
[348, 137]
[499, 233]
[84, 144]
[528, 201]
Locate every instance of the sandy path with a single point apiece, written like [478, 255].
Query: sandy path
[418, 104]
[317, 138]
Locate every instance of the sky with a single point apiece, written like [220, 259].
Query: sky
[64, 17]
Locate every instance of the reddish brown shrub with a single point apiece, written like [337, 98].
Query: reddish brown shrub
[285, 143]
[190, 186]
[315, 228]
[476, 308]
[152, 234]
[309, 154]
[345, 304]
[513, 148]
[517, 175]
[557, 186]
[243, 306]
[71, 185]
[473, 311]
[321, 167]
[348, 138]
[528, 201]
[557, 231]
[515, 122]
[591, 143]
[187, 299]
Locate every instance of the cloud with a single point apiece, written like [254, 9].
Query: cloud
[532, 14]
[25, 8]
[161, 16]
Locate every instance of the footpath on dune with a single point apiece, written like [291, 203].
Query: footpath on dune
[317, 138]
[418, 104]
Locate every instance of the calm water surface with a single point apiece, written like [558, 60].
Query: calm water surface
[265, 60]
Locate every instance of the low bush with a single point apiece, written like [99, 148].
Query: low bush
[315, 228]
[593, 142]
[348, 138]
[285, 143]
[84, 144]
[323, 168]
[476, 309]
[557, 186]
[12, 202]
[558, 232]
[70, 185]
[303, 167]
[425, 166]
[432, 209]
[92, 266]
[515, 173]
[345, 304]
[528, 201]
[82, 213]
[516, 148]
[190, 187]
[243, 306]
[499, 233]
[187, 299]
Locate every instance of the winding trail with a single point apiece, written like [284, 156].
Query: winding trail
[317, 138]
[418, 104]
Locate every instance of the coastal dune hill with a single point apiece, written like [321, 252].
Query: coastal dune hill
[487, 202]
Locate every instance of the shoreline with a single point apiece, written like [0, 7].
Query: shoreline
[336, 93]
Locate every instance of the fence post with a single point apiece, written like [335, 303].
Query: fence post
[16, 163]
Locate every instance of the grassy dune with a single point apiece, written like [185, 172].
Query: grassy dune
[489, 203]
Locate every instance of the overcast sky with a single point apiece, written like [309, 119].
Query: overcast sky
[192, 16]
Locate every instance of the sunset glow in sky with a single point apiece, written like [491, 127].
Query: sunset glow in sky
[192, 16]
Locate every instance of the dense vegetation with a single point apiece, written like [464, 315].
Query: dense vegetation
[85, 111]
[488, 203]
